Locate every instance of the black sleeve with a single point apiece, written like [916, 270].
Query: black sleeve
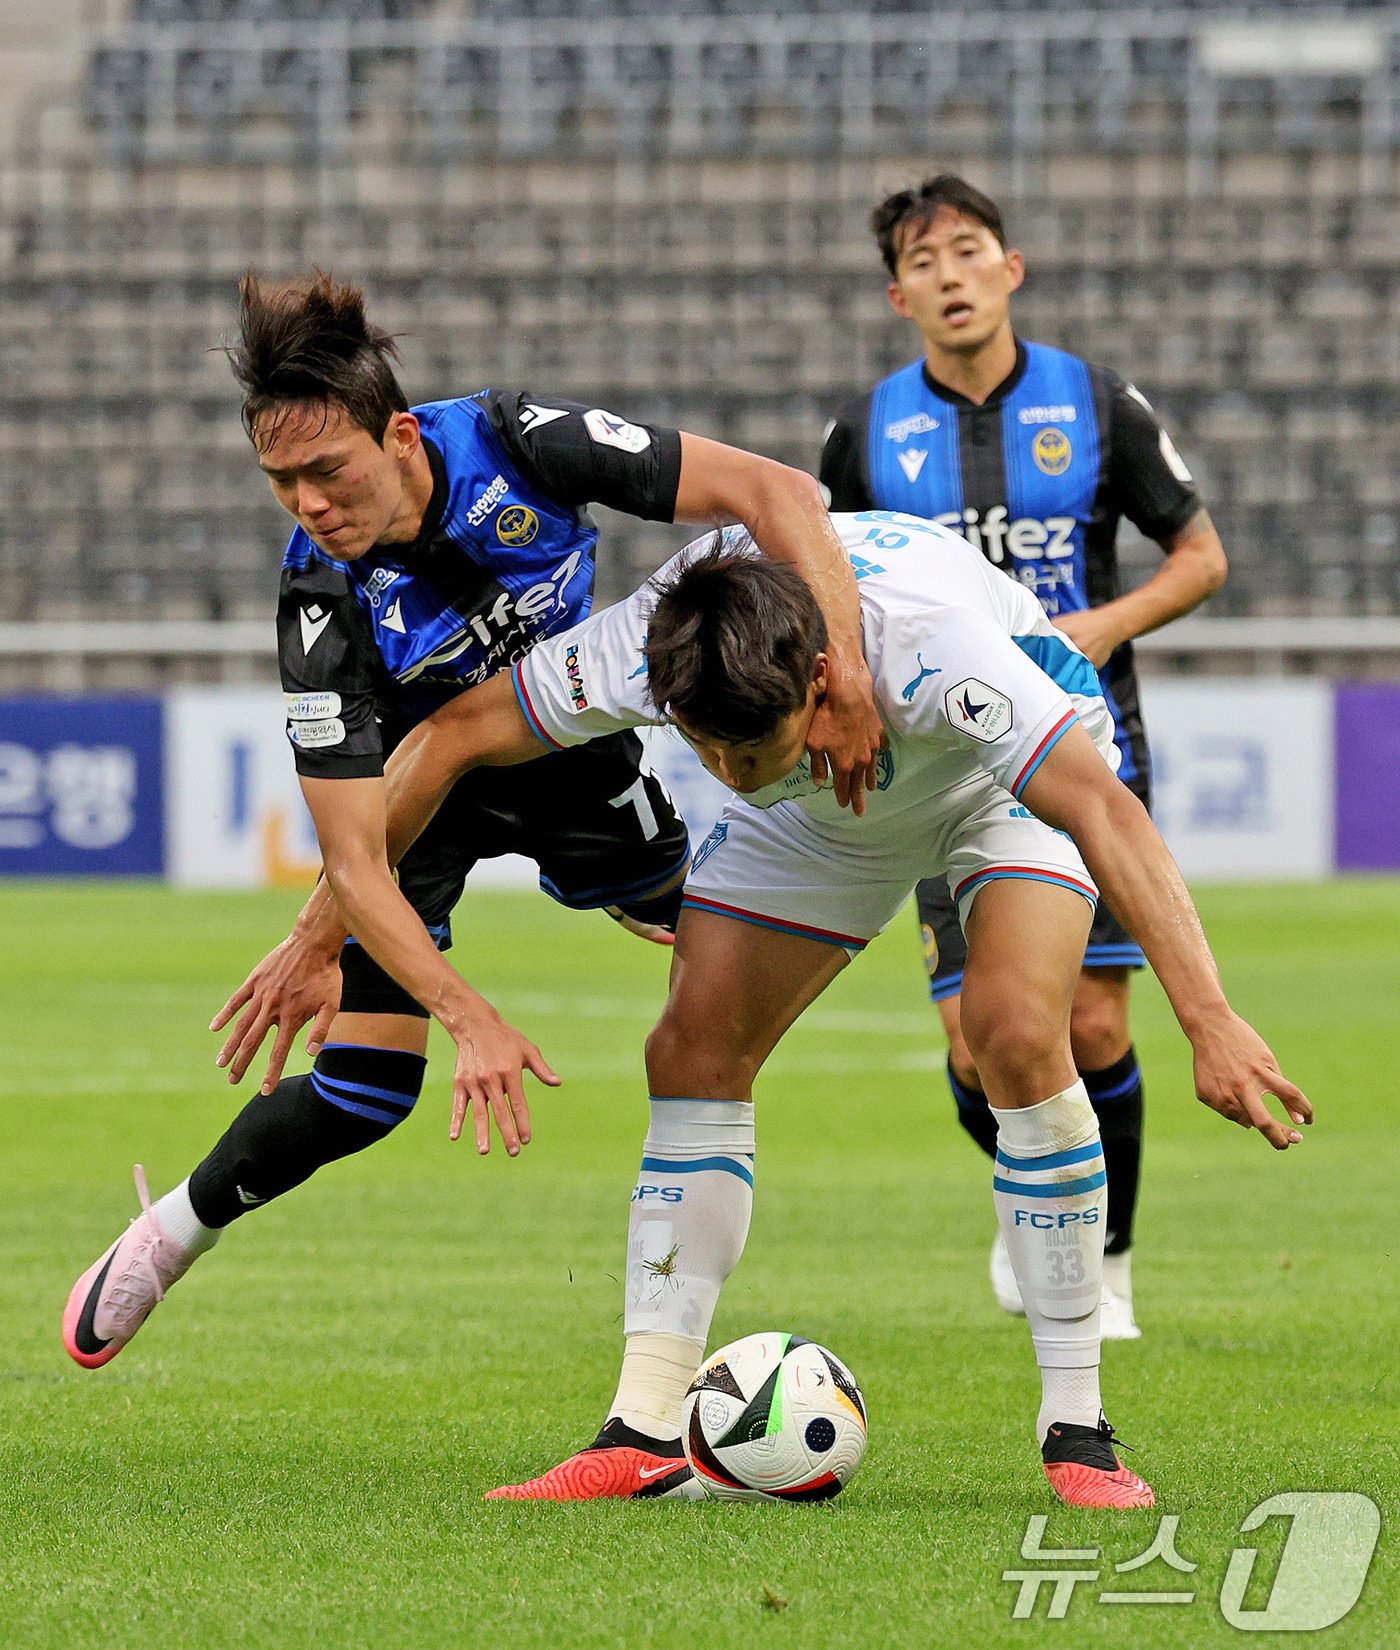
[1148, 482]
[586, 455]
[330, 671]
[842, 470]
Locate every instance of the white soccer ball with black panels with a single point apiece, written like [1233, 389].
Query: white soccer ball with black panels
[774, 1418]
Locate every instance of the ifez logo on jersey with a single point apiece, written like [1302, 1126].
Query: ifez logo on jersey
[517, 524]
[1052, 451]
[977, 710]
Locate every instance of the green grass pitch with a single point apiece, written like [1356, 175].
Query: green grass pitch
[292, 1452]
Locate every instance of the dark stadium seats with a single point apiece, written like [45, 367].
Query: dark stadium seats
[640, 207]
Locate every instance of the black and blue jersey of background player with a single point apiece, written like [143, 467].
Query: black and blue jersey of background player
[1035, 456]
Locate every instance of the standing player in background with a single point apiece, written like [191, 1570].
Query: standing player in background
[1033, 455]
[434, 547]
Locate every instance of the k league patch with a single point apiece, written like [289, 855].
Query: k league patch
[611, 431]
[978, 711]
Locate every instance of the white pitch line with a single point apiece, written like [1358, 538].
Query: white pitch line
[628, 1008]
[583, 1068]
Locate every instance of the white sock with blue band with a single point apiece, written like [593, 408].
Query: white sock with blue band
[689, 1222]
[1050, 1195]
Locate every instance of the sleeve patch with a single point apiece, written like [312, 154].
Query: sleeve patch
[315, 736]
[611, 431]
[978, 711]
[312, 707]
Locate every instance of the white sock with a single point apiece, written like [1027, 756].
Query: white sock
[1118, 1273]
[690, 1218]
[1050, 1195]
[656, 1370]
[181, 1224]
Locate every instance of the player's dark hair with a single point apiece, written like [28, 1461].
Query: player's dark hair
[905, 215]
[307, 343]
[733, 644]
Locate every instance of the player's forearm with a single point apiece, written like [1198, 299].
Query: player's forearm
[1194, 569]
[319, 925]
[789, 522]
[388, 927]
[1140, 880]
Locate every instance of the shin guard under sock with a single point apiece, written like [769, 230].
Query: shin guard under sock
[1049, 1190]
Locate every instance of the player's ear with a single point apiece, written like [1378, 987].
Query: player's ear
[1016, 265]
[898, 304]
[402, 438]
[819, 677]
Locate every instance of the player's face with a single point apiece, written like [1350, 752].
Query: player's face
[954, 280]
[345, 489]
[752, 764]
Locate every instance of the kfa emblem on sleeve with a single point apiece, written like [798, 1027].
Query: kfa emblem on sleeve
[612, 431]
[977, 710]
[1052, 451]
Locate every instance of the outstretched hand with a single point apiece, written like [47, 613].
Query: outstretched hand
[492, 1059]
[846, 734]
[290, 986]
[1235, 1069]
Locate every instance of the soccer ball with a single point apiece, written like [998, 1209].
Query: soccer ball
[774, 1418]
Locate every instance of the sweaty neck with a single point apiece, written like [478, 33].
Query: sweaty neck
[975, 374]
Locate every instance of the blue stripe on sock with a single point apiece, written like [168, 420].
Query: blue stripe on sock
[695, 1100]
[400, 1104]
[968, 1099]
[698, 1165]
[1062, 1188]
[1119, 1089]
[1056, 1160]
[374, 1113]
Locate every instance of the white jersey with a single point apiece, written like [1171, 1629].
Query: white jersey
[970, 676]
[975, 688]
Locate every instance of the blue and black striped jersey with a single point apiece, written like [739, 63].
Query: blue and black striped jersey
[505, 556]
[1037, 477]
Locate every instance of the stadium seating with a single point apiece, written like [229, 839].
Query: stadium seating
[652, 216]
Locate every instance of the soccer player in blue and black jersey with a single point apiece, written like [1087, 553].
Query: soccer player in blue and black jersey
[434, 547]
[1034, 455]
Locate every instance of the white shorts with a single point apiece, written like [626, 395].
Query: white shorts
[843, 881]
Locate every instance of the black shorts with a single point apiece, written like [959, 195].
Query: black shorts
[945, 949]
[601, 830]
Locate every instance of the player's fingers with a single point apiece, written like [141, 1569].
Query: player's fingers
[1295, 1102]
[235, 1037]
[541, 1067]
[1279, 1136]
[505, 1120]
[325, 1018]
[232, 1006]
[281, 1048]
[821, 768]
[460, 1101]
[519, 1107]
[247, 1050]
[841, 785]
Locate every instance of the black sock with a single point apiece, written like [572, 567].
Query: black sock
[1116, 1096]
[353, 1097]
[974, 1113]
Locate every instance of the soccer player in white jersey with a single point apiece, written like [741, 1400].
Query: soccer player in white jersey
[999, 772]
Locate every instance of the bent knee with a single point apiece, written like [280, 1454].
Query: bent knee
[1098, 1029]
[685, 1059]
